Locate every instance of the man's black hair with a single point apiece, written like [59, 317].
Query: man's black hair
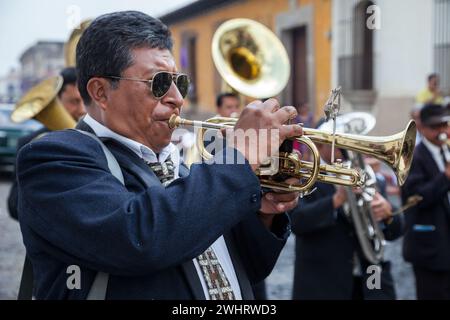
[105, 47]
[221, 96]
[69, 76]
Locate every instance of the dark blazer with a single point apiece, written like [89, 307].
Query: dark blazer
[73, 211]
[12, 197]
[325, 244]
[427, 236]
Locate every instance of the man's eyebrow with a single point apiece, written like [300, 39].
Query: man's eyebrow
[151, 72]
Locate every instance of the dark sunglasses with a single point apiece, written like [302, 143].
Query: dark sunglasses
[161, 82]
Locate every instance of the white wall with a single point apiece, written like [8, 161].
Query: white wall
[403, 45]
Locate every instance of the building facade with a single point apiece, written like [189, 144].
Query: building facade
[383, 51]
[10, 86]
[303, 26]
[42, 60]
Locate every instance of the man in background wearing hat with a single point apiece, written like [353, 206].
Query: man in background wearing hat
[427, 238]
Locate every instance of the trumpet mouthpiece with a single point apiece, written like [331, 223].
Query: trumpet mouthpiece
[174, 121]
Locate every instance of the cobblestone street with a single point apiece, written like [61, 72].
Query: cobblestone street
[12, 252]
[279, 284]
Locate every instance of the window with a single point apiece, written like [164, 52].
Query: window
[188, 58]
[355, 60]
[442, 43]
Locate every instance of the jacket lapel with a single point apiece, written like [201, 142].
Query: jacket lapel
[194, 281]
[183, 170]
[129, 161]
[428, 158]
[432, 168]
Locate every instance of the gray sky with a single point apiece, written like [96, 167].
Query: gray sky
[24, 22]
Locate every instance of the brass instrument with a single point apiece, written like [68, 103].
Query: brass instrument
[395, 150]
[358, 207]
[250, 58]
[253, 61]
[71, 44]
[41, 103]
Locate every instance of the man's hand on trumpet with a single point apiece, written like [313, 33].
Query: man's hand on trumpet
[261, 129]
[273, 203]
[267, 121]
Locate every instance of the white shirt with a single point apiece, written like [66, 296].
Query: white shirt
[436, 154]
[147, 154]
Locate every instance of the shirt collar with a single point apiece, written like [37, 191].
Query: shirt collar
[143, 152]
[434, 149]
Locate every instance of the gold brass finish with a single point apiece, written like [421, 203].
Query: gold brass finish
[41, 102]
[70, 47]
[395, 150]
[250, 58]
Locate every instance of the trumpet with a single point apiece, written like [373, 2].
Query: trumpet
[395, 150]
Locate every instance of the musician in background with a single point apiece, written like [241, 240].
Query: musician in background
[329, 261]
[70, 98]
[228, 104]
[415, 115]
[427, 239]
[431, 94]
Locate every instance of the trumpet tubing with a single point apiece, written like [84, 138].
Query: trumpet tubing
[395, 150]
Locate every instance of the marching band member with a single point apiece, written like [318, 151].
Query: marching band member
[329, 262]
[228, 104]
[427, 239]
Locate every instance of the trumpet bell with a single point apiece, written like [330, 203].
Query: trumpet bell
[396, 150]
[402, 165]
[250, 58]
[41, 103]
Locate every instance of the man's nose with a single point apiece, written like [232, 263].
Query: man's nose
[174, 97]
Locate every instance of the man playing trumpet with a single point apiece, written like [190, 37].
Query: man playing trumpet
[165, 232]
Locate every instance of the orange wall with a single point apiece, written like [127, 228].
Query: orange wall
[264, 11]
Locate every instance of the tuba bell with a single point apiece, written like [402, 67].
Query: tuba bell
[250, 58]
[70, 46]
[41, 103]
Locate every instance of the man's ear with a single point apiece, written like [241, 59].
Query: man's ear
[97, 89]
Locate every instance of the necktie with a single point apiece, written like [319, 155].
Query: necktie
[164, 171]
[444, 158]
[219, 287]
